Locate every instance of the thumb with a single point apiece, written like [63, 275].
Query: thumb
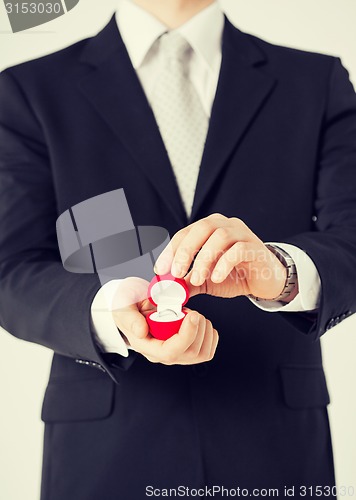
[131, 322]
[127, 313]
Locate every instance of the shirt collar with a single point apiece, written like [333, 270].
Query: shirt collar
[204, 33]
[139, 30]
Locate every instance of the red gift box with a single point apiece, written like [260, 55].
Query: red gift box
[169, 294]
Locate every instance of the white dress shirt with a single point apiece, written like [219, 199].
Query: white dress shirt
[140, 31]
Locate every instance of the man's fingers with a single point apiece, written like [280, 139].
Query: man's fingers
[194, 349]
[218, 242]
[195, 342]
[185, 244]
[214, 344]
[131, 322]
[169, 351]
[129, 291]
[128, 306]
[164, 262]
[194, 240]
[175, 346]
[193, 290]
[204, 354]
[241, 251]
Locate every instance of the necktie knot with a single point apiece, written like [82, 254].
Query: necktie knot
[174, 46]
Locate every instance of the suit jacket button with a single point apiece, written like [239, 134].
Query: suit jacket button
[330, 324]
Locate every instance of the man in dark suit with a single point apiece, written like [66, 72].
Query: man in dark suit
[271, 159]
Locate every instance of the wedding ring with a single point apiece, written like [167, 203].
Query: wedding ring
[167, 312]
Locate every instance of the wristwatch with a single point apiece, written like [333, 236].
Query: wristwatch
[291, 279]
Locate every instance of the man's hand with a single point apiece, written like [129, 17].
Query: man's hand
[195, 342]
[230, 260]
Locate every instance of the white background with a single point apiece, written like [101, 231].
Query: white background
[326, 26]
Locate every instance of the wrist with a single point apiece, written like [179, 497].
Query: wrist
[285, 274]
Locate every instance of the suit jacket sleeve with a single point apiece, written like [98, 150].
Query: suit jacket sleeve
[39, 301]
[332, 246]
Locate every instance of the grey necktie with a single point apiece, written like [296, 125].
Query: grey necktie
[180, 115]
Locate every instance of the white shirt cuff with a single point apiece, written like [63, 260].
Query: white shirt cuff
[105, 330]
[309, 284]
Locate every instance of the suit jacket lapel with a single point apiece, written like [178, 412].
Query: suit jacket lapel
[242, 90]
[114, 89]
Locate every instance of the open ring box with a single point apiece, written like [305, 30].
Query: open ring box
[169, 294]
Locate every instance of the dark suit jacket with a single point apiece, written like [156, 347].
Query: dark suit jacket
[281, 155]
